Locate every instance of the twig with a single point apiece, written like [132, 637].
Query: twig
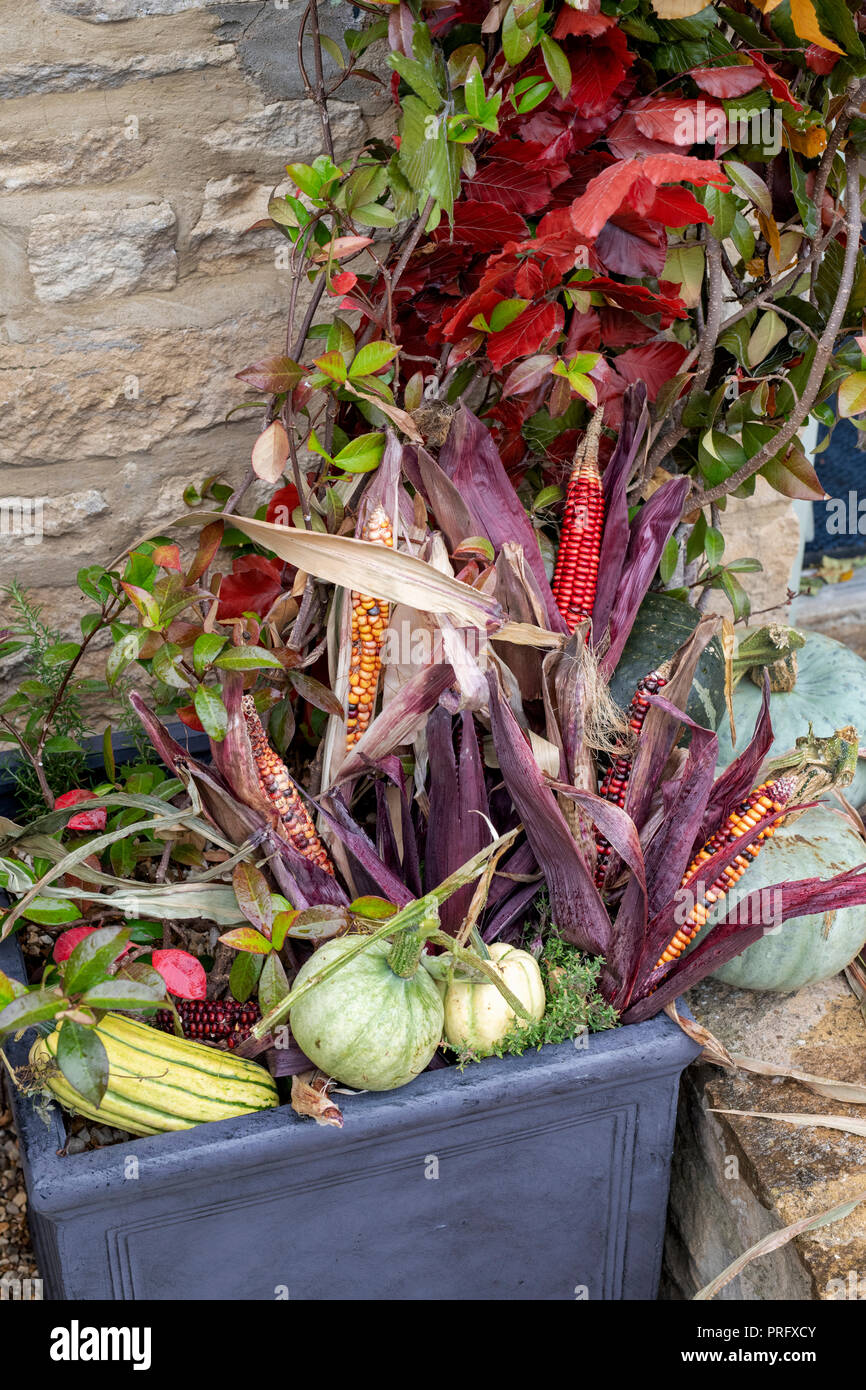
[823, 352]
[856, 91]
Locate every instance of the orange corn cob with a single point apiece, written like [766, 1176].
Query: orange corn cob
[616, 778]
[295, 821]
[770, 796]
[370, 618]
[576, 575]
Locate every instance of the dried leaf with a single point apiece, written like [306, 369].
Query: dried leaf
[844, 1123]
[729, 642]
[776, 1240]
[271, 452]
[310, 1096]
[847, 1092]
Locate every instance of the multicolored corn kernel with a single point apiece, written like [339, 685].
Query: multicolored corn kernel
[575, 578]
[769, 797]
[615, 782]
[370, 618]
[222, 1021]
[293, 817]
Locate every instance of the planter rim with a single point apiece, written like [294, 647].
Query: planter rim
[613, 1059]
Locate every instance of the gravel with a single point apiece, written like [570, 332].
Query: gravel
[16, 1253]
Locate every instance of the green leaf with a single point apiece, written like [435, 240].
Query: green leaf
[244, 975]
[247, 939]
[743, 237]
[473, 90]
[212, 712]
[82, 1059]
[62, 743]
[668, 562]
[517, 43]
[123, 652]
[121, 993]
[316, 693]
[273, 984]
[253, 896]
[51, 912]
[206, 649]
[533, 96]
[852, 395]
[714, 546]
[167, 666]
[333, 365]
[60, 652]
[505, 312]
[416, 77]
[557, 65]
[371, 908]
[722, 208]
[750, 183]
[362, 454]
[247, 659]
[35, 1006]
[427, 160]
[306, 178]
[10, 989]
[768, 333]
[372, 358]
[91, 958]
[719, 455]
[736, 594]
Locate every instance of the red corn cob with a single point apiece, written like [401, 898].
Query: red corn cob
[294, 819]
[576, 575]
[616, 778]
[221, 1021]
[770, 796]
[370, 618]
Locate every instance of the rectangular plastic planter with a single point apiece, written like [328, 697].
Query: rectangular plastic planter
[535, 1177]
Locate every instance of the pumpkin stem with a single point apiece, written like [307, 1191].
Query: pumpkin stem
[405, 955]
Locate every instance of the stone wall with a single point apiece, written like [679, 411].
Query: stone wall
[139, 140]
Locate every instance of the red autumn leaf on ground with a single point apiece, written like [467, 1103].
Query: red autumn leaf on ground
[282, 505]
[187, 715]
[84, 820]
[776, 85]
[727, 82]
[183, 974]
[530, 331]
[68, 940]
[253, 585]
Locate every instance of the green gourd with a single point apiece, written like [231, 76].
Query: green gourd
[477, 1017]
[829, 690]
[802, 950]
[376, 1022]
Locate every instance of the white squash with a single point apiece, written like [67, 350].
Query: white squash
[477, 1017]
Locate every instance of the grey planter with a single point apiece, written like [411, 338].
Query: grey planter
[535, 1177]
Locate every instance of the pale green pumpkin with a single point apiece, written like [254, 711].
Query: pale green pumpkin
[477, 1016]
[804, 949]
[367, 1026]
[830, 691]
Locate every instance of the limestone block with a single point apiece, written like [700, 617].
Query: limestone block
[93, 253]
[221, 237]
[764, 526]
[109, 11]
[288, 129]
[73, 73]
[736, 1179]
[95, 391]
[92, 156]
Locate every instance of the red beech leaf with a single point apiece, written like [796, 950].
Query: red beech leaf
[581, 23]
[776, 85]
[486, 226]
[282, 505]
[630, 245]
[677, 207]
[606, 193]
[532, 330]
[183, 974]
[253, 585]
[651, 363]
[507, 177]
[727, 82]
